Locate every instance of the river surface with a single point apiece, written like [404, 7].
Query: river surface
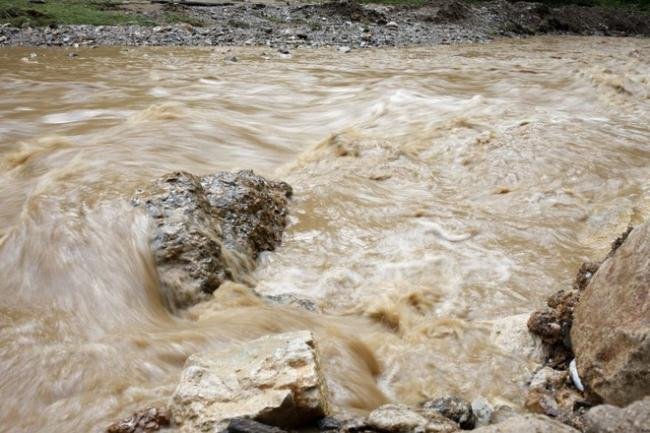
[436, 191]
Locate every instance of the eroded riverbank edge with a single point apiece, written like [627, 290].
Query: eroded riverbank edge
[344, 24]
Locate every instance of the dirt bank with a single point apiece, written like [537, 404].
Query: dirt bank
[344, 24]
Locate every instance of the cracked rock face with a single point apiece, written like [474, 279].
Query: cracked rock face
[208, 229]
[275, 380]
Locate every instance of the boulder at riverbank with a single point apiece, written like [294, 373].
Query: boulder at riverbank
[603, 321]
[611, 324]
[275, 380]
[210, 229]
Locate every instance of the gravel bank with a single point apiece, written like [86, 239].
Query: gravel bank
[347, 25]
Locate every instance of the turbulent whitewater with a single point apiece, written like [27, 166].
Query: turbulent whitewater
[436, 191]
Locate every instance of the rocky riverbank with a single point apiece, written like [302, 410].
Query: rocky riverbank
[345, 24]
[275, 383]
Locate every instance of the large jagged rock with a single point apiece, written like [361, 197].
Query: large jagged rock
[398, 418]
[210, 229]
[611, 324]
[527, 424]
[605, 418]
[275, 380]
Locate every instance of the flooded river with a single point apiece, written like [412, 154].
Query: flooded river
[436, 191]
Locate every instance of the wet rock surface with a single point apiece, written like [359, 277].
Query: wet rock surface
[527, 424]
[398, 418]
[512, 336]
[456, 409]
[275, 380]
[611, 325]
[552, 393]
[210, 229]
[605, 418]
[145, 421]
[243, 425]
[251, 209]
[345, 23]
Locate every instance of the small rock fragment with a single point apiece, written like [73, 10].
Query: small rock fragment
[551, 393]
[329, 424]
[243, 425]
[398, 418]
[454, 408]
[482, 410]
[502, 413]
[145, 421]
[511, 335]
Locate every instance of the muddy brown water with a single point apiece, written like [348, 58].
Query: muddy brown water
[436, 189]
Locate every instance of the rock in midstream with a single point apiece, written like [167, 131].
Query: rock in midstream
[611, 324]
[208, 229]
[275, 380]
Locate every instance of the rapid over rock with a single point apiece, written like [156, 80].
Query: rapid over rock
[208, 229]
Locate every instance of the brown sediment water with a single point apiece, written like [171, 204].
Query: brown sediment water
[436, 190]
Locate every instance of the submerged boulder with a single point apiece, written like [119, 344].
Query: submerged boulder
[527, 424]
[275, 380]
[208, 229]
[611, 324]
[398, 418]
[605, 418]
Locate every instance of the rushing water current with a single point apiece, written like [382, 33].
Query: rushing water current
[436, 191]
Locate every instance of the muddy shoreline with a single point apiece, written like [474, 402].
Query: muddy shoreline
[345, 25]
